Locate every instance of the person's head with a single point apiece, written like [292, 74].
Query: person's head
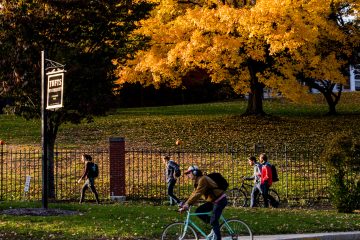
[252, 160]
[263, 158]
[165, 159]
[193, 172]
[86, 157]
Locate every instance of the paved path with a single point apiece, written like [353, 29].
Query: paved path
[313, 236]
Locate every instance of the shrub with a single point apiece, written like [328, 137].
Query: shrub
[339, 154]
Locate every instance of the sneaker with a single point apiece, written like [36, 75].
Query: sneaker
[181, 204]
[211, 235]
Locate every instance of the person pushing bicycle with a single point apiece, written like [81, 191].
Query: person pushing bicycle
[215, 198]
[256, 178]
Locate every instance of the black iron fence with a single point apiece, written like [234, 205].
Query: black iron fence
[302, 175]
[17, 166]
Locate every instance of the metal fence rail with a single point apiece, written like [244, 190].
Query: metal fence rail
[17, 164]
[301, 173]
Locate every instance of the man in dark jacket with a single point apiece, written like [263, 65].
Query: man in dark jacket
[171, 178]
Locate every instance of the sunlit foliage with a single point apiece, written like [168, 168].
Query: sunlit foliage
[271, 43]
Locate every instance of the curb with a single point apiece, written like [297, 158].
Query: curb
[312, 236]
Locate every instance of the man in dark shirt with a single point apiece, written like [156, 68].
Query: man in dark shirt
[90, 180]
[171, 166]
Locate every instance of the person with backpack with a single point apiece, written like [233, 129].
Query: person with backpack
[256, 178]
[90, 172]
[266, 179]
[213, 193]
[172, 173]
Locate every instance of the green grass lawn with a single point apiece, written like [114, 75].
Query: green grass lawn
[212, 125]
[146, 221]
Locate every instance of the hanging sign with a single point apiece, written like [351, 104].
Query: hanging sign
[55, 89]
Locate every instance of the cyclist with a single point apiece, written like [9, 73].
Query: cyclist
[256, 177]
[215, 199]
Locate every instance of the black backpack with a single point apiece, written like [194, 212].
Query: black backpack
[177, 170]
[93, 171]
[275, 176]
[219, 180]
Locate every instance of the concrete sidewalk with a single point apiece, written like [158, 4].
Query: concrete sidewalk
[313, 236]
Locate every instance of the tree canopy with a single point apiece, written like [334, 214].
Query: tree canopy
[83, 35]
[249, 45]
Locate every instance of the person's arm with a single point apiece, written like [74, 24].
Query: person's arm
[198, 192]
[249, 178]
[265, 173]
[85, 172]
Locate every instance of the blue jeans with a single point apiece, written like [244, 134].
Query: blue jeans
[217, 210]
[171, 185]
[254, 193]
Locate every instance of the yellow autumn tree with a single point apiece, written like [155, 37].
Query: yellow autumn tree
[272, 43]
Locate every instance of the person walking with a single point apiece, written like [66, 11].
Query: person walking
[171, 169]
[215, 198]
[256, 177]
[90, 173]
[266, 178]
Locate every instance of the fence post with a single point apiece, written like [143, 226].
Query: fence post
[117, 168]
[286, 172]
[2, 169]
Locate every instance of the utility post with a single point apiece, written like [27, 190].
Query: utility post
[44, 200]
[52, 90]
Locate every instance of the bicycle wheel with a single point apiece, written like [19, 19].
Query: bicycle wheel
[274, 199]
[175, 231]
[235, 229]
[236, 198]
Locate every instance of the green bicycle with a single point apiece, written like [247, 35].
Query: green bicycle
[229, 228]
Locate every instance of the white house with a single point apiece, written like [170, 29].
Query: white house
[355, 78]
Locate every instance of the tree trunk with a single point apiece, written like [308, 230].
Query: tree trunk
[326, 88]
[332, 102]
[255, 100]
[255, 104]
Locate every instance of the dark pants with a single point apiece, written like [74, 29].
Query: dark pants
[171, 185]
[254, 193]
[89, 183]
[213, 219]
[265, 192]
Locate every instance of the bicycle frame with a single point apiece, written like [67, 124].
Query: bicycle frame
[246, 186]
[188, 222]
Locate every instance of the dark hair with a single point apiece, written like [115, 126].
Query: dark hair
[252, 158]
[197, 173]
[87, 157]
